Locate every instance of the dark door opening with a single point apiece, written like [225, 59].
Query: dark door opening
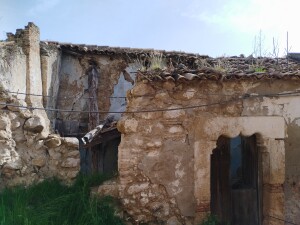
[235, 181]
[105, 156]
[101, 155]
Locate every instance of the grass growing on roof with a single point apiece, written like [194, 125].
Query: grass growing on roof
[52, 203]
[157, 62]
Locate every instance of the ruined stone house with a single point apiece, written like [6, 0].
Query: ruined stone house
[196, 135]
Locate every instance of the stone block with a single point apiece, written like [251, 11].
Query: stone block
[149, 115]
[140, 101]
[54, 154]
[144, 201]
[8, 172]
[12, 116]
[173, 221]
[70, 142]
[142, 89]
[154, 144]
[39, 145]
[174, 113]
[109, 188]
[53, 142]
[72, 174]
[189, 93]
[160, 209]
[14, 165]
[169, 85]
[162, 99]
[70, 162]
[34, 124]
[4, 122]
[25, 113]
[184, 96]
[2, 104]
[19, 105]
[176, 129]
[136, 188]
[40, 161]
[4, 155]
[72, 154]
[15, 124]
[19, 136]
[138, 141]
[127, 125]
[4, 135]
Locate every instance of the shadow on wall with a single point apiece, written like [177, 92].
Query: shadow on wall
[103, 157]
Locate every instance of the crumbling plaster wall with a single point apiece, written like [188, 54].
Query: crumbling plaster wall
[13, 67]
[66, 81]
[54, 79]
[29, 151]
[50, 68]
[156, 154]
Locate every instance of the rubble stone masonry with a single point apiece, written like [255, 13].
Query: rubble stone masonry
[164, 156]
[29, 149]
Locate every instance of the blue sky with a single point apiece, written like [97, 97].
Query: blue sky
[209, 27]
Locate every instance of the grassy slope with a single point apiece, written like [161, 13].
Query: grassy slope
[51, 203]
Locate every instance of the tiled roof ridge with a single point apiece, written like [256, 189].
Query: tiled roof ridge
[84, 48]
[212, 74]
[226, 69]
[103, 49]
[178, 65]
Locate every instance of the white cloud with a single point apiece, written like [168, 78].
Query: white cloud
[247, 15]
[273, 17]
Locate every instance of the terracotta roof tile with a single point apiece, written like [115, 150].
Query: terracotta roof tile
[181, 66]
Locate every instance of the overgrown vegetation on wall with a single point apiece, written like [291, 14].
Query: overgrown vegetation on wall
[52, 203]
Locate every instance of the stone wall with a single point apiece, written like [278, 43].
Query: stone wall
[158, 150]
[48, 76]
[26, 154]
[29, 149]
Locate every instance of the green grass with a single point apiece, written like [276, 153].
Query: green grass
[52, 203]
[212, 219]
[259, 69]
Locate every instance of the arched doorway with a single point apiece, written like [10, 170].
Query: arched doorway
[236, 181]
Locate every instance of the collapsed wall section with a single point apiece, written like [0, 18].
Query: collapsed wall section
[29, 150]
[26, 155]
[56, 79]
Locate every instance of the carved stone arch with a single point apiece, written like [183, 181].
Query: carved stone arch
[270, 132]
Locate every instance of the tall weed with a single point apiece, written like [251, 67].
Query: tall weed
[52, 203]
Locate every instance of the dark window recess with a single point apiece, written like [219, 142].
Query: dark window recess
[69, 128]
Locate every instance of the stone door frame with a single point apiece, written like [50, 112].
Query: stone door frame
[270, 133]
